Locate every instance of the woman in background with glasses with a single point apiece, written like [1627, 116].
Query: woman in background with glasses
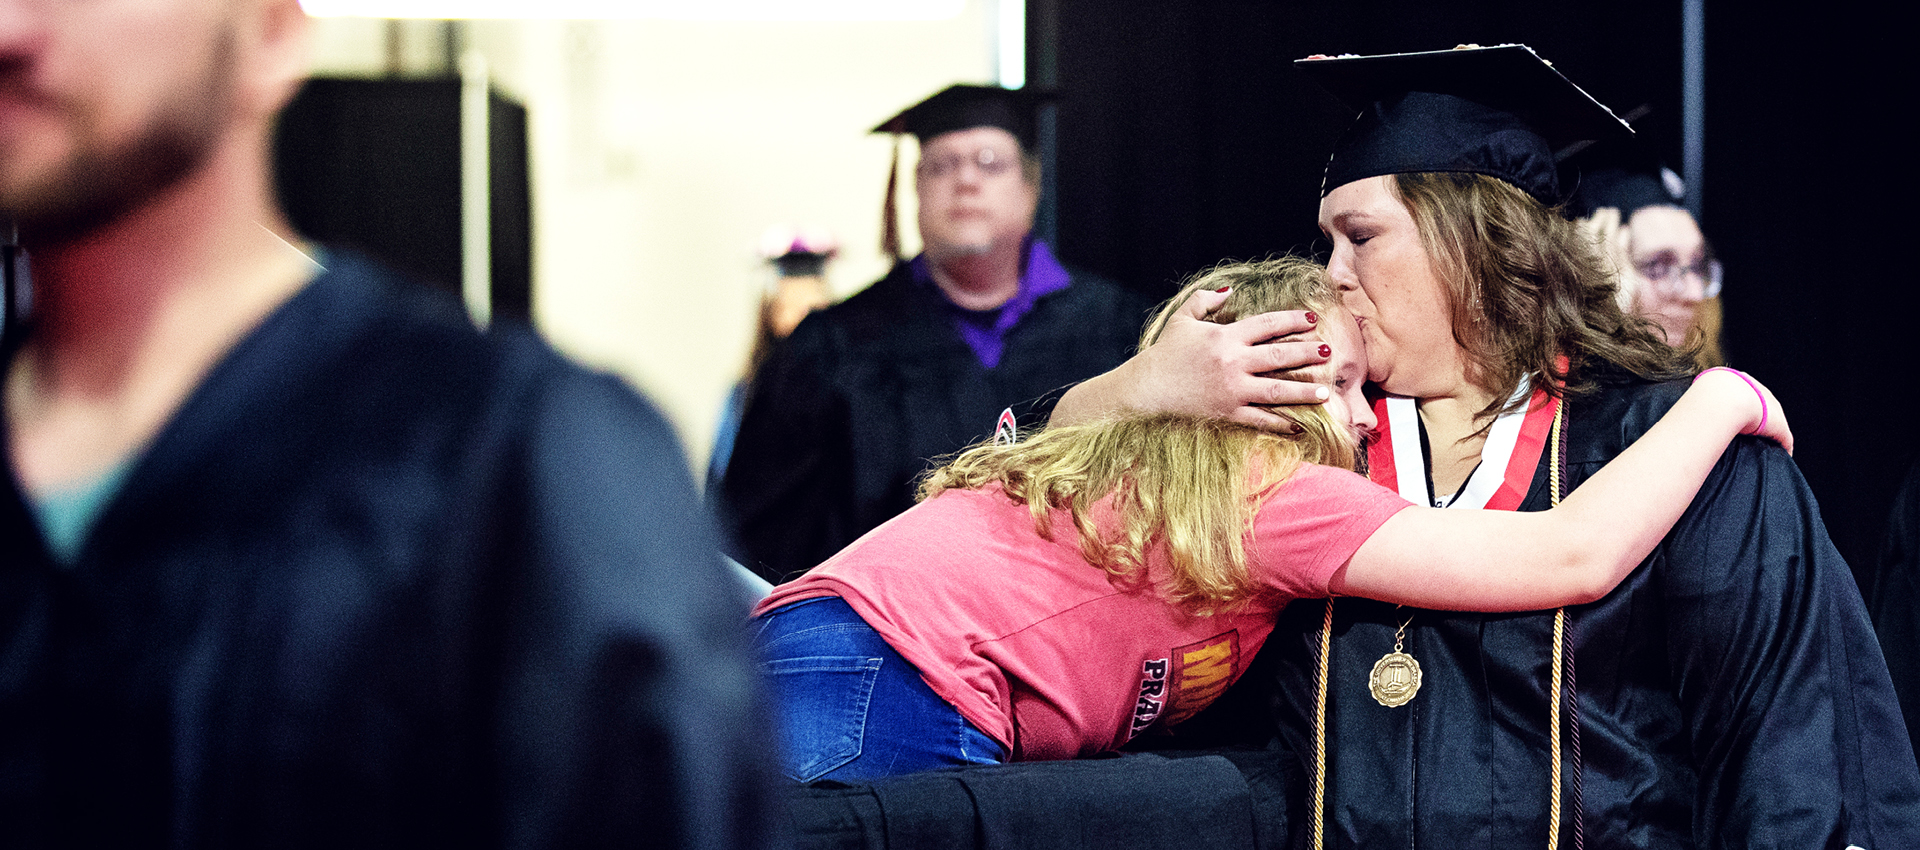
[1668, 275]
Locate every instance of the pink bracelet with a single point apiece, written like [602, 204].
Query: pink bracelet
[1762, 427]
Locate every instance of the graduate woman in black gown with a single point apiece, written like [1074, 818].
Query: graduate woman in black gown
[1729, 693]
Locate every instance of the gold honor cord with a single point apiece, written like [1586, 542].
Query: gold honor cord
[1559, 660]
[1320, 732]
[1318, 813]
[1553, 734]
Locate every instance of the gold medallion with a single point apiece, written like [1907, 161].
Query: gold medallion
[1395, 679]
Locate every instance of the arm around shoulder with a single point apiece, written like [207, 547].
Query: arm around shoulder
[1204, 369]
[1577, 552]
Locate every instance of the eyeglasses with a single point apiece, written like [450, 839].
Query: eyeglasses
[990, 162]
[1666, 274]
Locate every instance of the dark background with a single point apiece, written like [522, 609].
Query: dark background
[1185, 136]
[374, 165]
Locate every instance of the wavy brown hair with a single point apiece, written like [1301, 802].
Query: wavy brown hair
[1524, 286]
[1190, 482]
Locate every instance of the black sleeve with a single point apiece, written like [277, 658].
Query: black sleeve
[629, 708]
[788, 493]
[1198, 801]
[1792, 720]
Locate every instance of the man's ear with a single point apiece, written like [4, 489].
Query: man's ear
[1031, 169]
[274, 51]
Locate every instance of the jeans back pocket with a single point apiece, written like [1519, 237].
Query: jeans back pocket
[822, 706]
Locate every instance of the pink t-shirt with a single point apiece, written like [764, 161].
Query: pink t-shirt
[1038, 649]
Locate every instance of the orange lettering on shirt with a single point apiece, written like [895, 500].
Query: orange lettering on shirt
[1204, 671]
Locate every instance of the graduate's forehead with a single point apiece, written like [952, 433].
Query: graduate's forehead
[1361, 202]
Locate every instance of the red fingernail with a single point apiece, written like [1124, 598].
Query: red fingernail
[1326, 350]
[1223, 289]
[1313, 319]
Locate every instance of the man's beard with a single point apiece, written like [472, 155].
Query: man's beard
[958, 250]
[99, 182]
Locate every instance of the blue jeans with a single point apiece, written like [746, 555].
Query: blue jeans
[849, 707]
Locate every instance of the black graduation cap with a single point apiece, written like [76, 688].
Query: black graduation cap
[798, 251]
[1500, 111]
[957, 107]
[801, 264]
[1620, 174]
[962, 107]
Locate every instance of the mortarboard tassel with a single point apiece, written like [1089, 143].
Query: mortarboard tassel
[889, 212]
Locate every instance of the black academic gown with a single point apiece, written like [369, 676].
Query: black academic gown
[1896, 596]
[855, 405]
[1730, 691]
[382, 581]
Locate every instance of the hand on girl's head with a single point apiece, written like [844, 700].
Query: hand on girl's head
[1345, 371]
[1229, 346]
[1207, 368]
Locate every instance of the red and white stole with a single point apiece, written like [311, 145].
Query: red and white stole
[1507, 460]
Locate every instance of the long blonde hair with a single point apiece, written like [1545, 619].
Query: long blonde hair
[1190, 482]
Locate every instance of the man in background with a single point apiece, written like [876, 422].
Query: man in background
[291, 555]
[866, 394]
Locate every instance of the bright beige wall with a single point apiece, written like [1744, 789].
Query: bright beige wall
[662, 149]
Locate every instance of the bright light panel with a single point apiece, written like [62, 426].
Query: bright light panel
[681, 10]
[1013, 43]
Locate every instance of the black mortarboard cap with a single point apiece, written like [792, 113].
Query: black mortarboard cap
[1620, 174]
[963, 107]
[801, 264]
[798, 252]
[1499, 111]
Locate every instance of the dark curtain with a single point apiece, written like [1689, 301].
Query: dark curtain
[374, 165]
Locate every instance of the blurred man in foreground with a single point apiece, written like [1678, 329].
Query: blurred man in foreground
[291, 555]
